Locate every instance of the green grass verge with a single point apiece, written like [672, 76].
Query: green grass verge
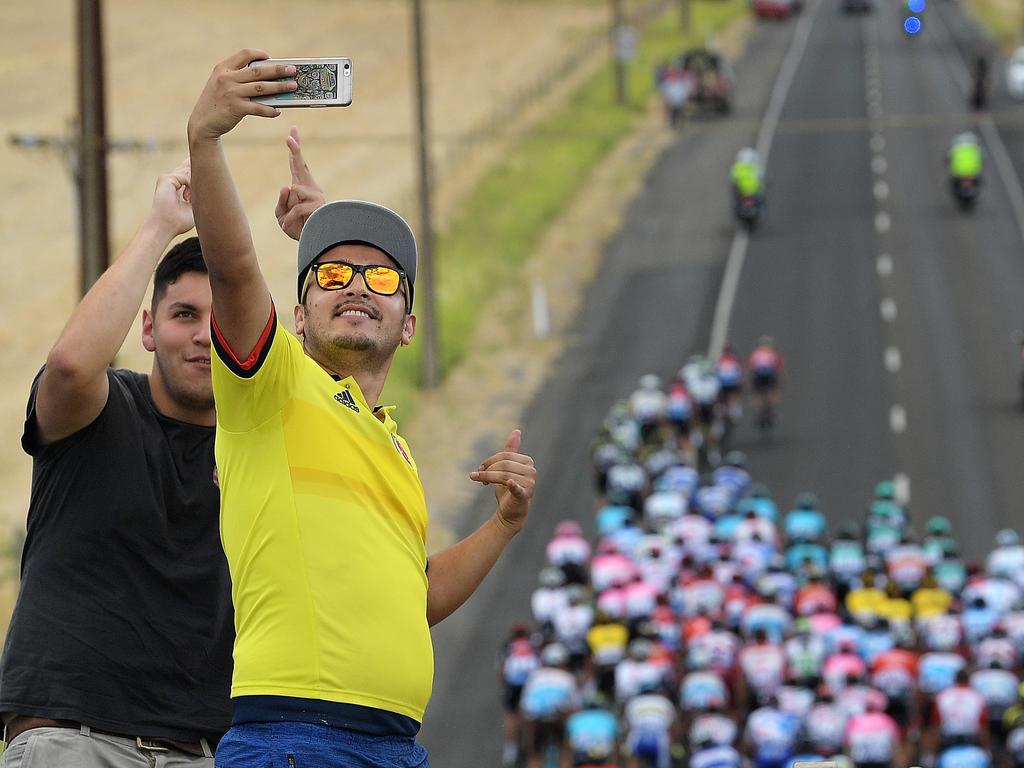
[501, 222]
[1002, 19]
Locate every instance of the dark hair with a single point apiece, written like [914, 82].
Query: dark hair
[185, 257]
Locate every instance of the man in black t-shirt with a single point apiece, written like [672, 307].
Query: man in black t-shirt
[119, 647]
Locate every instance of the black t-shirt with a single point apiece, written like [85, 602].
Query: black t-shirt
[123, 620]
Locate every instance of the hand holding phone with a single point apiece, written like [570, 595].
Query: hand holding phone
[325, 82]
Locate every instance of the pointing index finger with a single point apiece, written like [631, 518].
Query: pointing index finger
[296, 162]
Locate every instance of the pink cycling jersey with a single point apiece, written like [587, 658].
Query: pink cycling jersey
[871, 737]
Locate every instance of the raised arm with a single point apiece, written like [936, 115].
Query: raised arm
[73, 388]
[241, 299]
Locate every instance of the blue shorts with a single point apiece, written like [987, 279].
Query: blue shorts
[305, 745]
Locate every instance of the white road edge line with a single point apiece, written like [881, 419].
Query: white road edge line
[765, 136]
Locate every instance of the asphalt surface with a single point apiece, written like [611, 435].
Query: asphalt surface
[832, 249]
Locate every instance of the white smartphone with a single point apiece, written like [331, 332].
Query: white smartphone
[322, 83]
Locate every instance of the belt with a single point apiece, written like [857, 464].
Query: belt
[18, 724]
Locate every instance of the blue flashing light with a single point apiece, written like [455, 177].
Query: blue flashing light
[917, 6]
[912, 25]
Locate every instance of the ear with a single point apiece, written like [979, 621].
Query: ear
[408, 330]
[148, 342]
[300, 320]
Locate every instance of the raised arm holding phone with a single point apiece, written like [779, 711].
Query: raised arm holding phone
[323, 516]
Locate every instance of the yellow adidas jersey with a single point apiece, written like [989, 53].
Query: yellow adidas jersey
[324, 524]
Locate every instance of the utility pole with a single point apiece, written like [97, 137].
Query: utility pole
[425, 268]
[618, 25]
[90, 165]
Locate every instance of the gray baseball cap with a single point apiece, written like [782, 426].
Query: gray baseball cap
[348, 221]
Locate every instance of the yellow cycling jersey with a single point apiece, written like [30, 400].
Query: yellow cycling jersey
[324, 525]
[930, 601]
[866, 600]
[607, 642]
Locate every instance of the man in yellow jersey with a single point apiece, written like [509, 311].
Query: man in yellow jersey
[323, 517]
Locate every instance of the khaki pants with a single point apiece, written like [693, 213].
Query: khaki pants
[70, 748]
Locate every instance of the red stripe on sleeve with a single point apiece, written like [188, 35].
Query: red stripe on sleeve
[257, 350]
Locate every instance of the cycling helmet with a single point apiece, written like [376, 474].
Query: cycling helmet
[938, 526]
[640, 649]
[885, 490]
[849, 530]
[568, 528]
[551, 577]
[650, 381]
[1007, 538]
[736, 459]
[807, 501]
[577, 594]
[554, 655]
[759, 491]
[748, 155]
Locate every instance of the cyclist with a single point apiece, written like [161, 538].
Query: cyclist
[592, 733]
[771, 734]
[764, 368]
[518, 661]
[650, 720]
[648, 406]
[730, 378]
[872, 739]
[549, 696]
[570, 551]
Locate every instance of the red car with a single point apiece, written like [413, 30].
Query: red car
[774, 9]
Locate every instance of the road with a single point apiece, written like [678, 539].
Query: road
[893, 311]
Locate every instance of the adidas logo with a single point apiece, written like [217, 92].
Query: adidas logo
[345, 398]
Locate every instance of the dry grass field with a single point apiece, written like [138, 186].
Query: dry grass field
[481, 53]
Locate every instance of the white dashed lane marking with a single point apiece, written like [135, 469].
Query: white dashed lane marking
[898, 419]
[887, 309]
[884, 265]
[878, 165]
[883, 222]
[881, 190]
[893, 359]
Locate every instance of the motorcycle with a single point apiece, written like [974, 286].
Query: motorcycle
[965, 191]
[748, 211]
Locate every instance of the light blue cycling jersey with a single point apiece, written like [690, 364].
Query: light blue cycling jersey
[937, 670]
[798, 553]
[610, 518]
[701, 690]
[874, 642]
[762, 507]
[726, 525]
[846, 559]
[999, 687]
[964, 756]
[592, 732]
[548, 692]
[804, 525]
[950, 575]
